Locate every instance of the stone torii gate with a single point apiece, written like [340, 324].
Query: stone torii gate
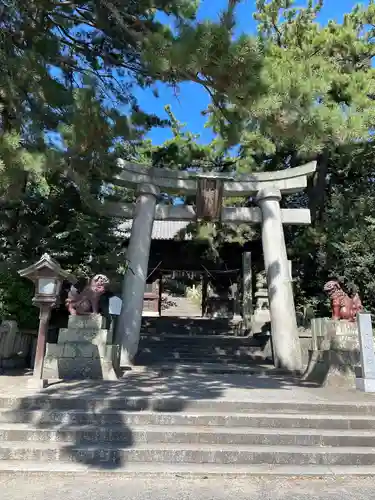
[266, 187]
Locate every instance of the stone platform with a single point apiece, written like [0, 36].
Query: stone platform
[84, 351]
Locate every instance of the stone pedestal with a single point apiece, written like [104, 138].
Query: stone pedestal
[334, 358]
[84, 351]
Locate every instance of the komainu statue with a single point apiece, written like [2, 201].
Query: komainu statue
[343, 306]
[87, 302]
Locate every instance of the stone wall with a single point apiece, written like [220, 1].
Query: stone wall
[15, 347]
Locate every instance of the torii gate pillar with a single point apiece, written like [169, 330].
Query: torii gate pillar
[280, 293]
[134, 283]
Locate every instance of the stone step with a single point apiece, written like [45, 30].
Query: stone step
[206, 347]
[195, 354]
[201, 350]
[179, 326]
[155, 470]
[280, 420]
[198, 334]
[162, 356]
[195, 338]
[186, 435]
[225, 362]
[102, 401]
[106, 455]
[146, 359]
[186, 321]
[198, 343]
[191, 341]
[202, 341]
[179, 367]
[219, 366]
[196, 357]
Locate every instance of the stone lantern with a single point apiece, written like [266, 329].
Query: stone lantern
[47, 276]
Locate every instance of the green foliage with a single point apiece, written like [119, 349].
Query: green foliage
[68, 68]
[184, 152]
[15, 303]
[294, 91]
[340, 243]
[67, 112]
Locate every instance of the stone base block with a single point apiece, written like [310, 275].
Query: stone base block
[94, 336]
[82, 351]
[326, 331]
[85, 329]
[89, 322]
[81, 360]
[335, 357]
[80, 368]
[333, 368]
[86, 350]
[328, 369]
[365, 384]
[342, 377]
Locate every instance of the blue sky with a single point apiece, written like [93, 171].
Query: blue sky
[191, 100]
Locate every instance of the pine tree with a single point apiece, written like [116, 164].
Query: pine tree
[67, 111]
[297, 90]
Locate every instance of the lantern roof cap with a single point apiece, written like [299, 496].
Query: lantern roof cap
[46, 262]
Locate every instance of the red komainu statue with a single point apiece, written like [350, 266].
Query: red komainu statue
[87, 302]
[343, 306]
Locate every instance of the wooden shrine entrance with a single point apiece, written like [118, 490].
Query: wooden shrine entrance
[205, 293]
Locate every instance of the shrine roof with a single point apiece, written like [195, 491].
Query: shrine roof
[162, 229]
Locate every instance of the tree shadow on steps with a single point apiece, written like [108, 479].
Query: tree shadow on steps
[69, 422]
[104, 424]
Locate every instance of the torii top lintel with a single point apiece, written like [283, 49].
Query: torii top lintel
[291, 180]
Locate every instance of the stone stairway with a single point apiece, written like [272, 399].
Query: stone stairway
[192, 326]
[103, 427]
[199, 351]
[200, 342]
